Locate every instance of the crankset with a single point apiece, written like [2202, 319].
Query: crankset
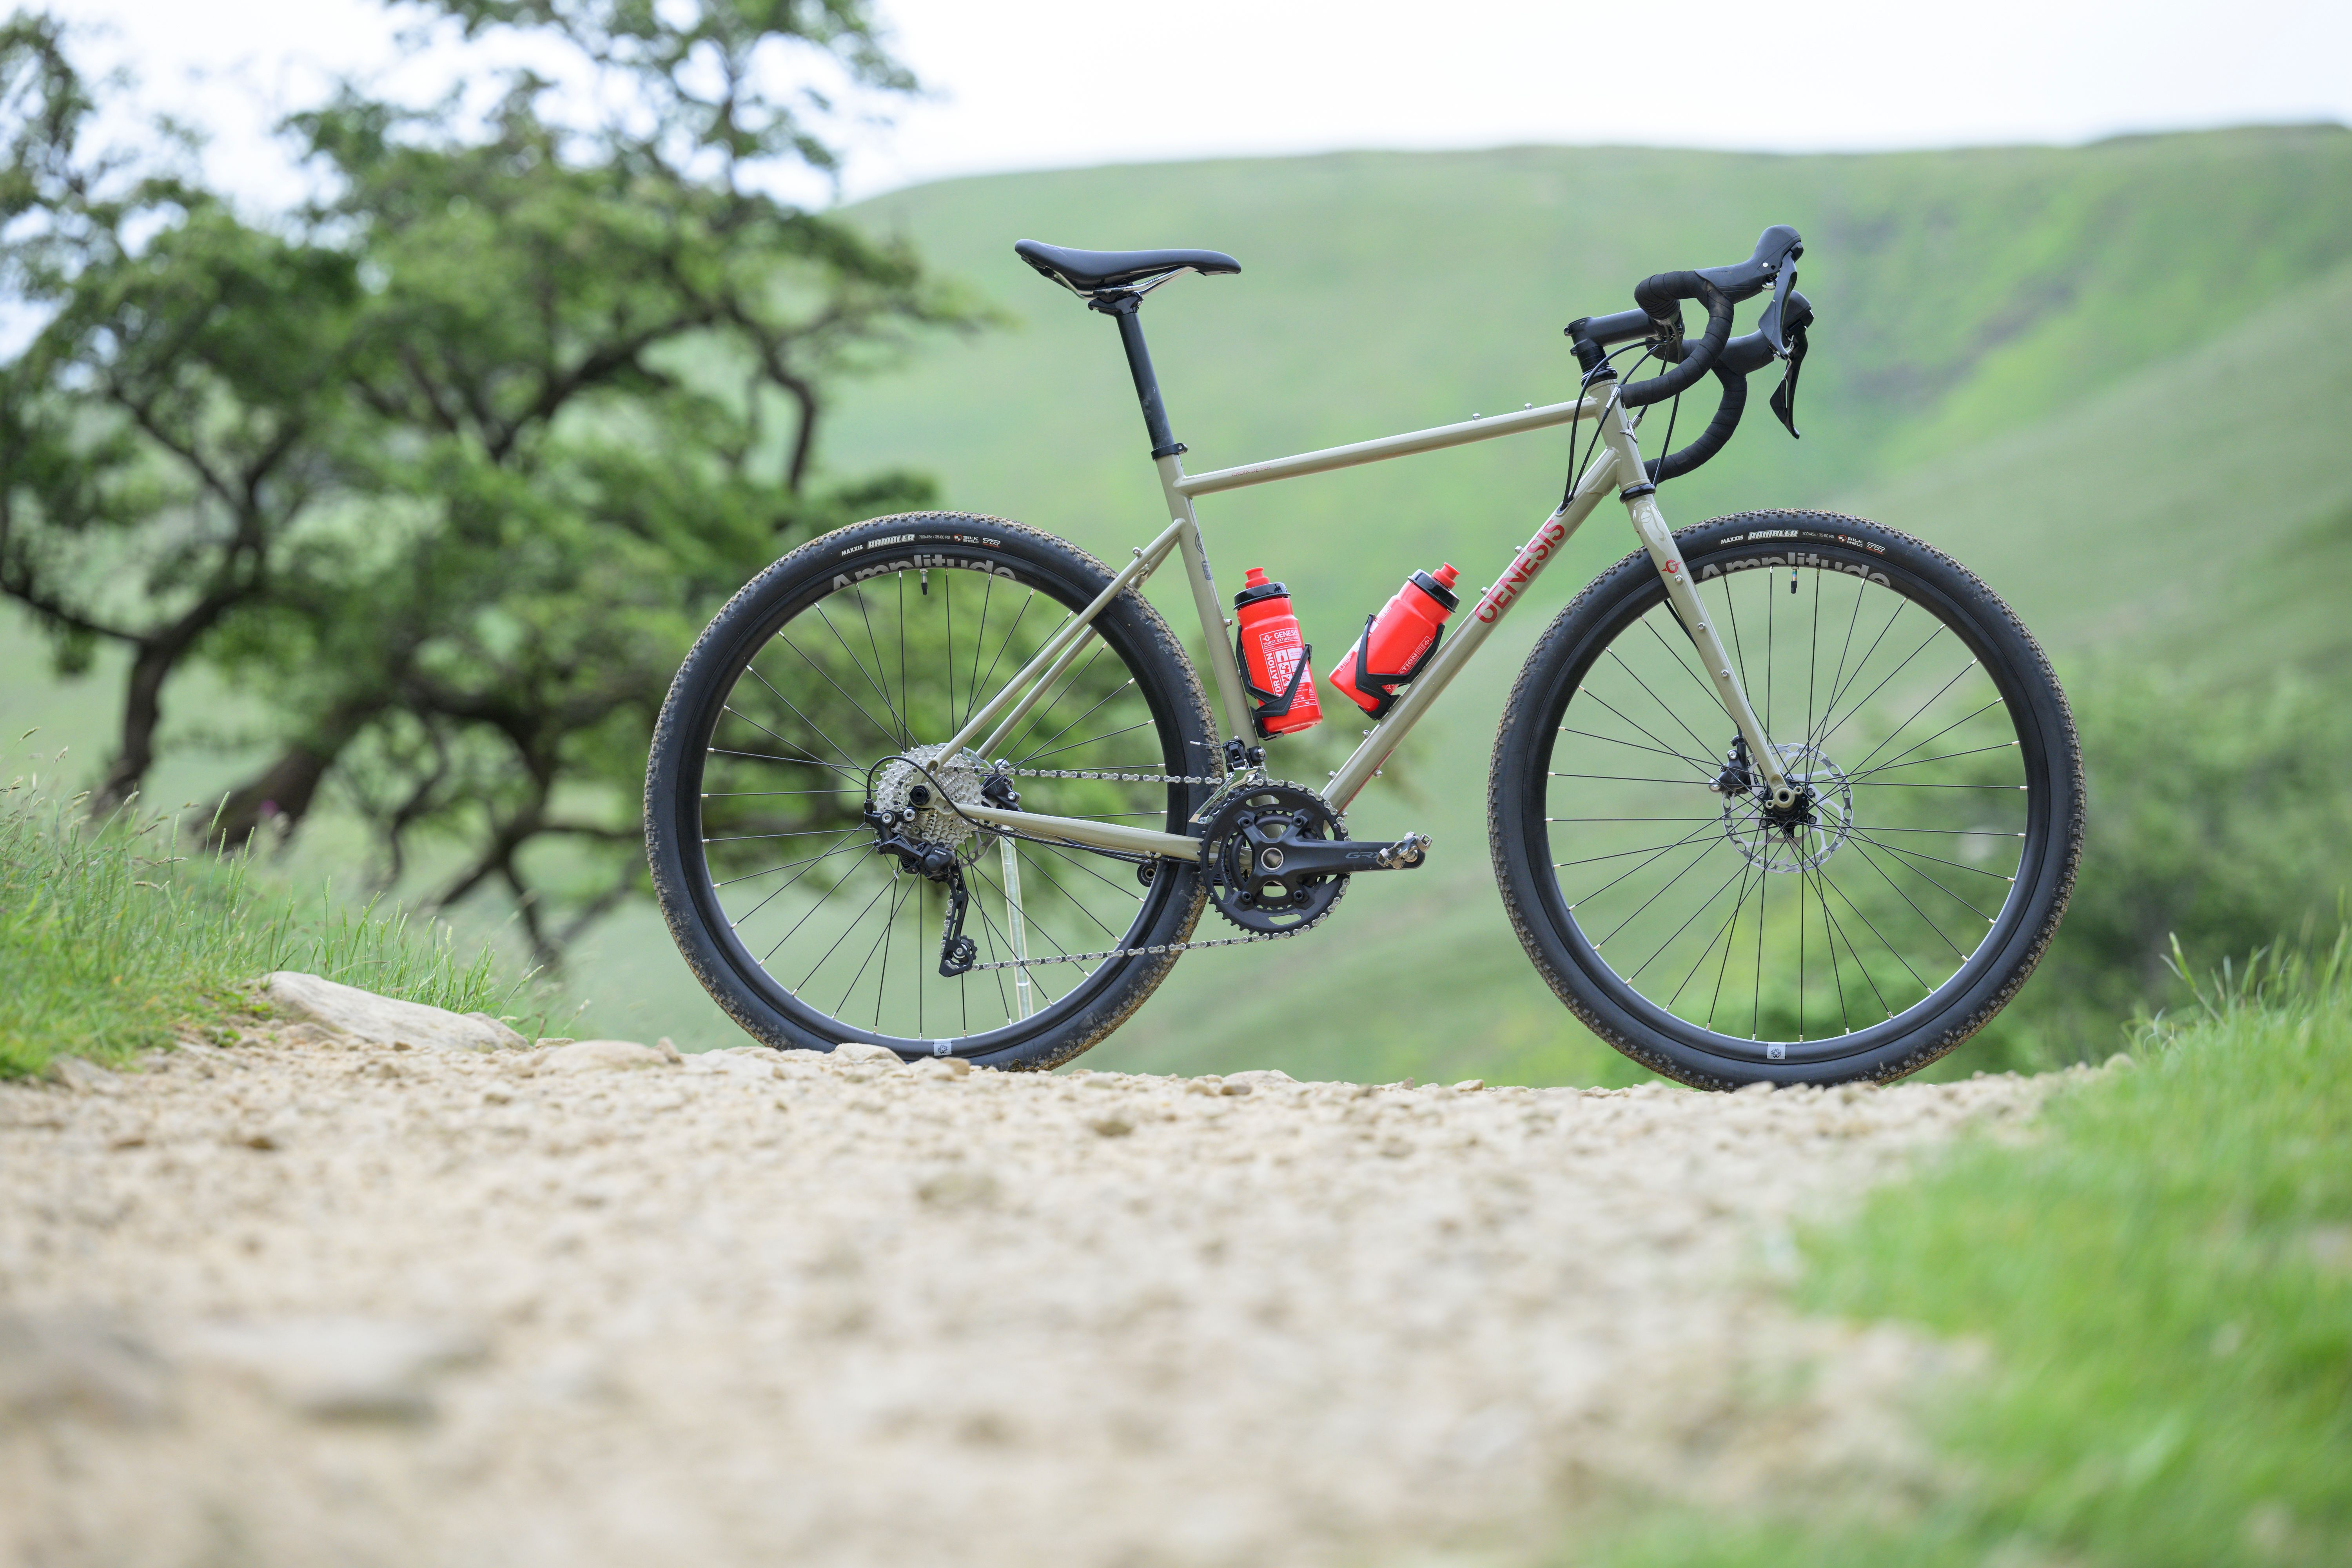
[1276, 857]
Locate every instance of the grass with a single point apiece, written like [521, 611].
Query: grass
[114, 941]
[2164, 1282]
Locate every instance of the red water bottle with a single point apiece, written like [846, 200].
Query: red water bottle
[1274, 658]
[1397, 642]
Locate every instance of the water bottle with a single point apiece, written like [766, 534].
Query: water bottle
[1397, 642]
[1273, 658]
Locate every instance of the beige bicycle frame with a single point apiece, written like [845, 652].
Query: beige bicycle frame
[1617, 466]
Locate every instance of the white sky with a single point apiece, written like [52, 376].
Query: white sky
[1038, 83]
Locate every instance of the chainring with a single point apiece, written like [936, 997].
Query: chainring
[1253, 820]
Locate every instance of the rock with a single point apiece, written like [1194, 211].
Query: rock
[82, 1077]
[74, 1363]
[727, 1064]
[1470, 1086]
[308, 998]
[341, 1368]
[1112, 1126]
[2120, 1062]
[860, 1053]
[943, 1066]
[1258, 1078]
[509, 1038]
[668, 1048]
[602, 1056]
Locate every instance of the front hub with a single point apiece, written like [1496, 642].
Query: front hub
[1797, 830]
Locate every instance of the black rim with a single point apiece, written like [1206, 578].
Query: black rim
[1756, 938]
[809, 699]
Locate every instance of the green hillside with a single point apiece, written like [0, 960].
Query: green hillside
[2088, 372]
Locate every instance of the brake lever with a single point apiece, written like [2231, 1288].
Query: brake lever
[1784, 397]
[1769, 325]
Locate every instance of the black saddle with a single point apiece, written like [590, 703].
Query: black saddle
[1091, 271]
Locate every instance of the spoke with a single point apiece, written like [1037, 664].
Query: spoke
[804, 861]
[1957, 866]
[767, 757]
[845, 936]
[1002, 647]
[1082, 718]
[1686, 924]
[1928, 876]
[1837, 681]
[1704, 749]
[753, 793]
[1069, 683]
[1713, 698]
[1813, 667]
[1914, 716]
[1669, 750]
[1089, 741]
[1941, 933]
[1098, 876]
[1116, 940]
[1618, 855]
[1738, 903]
[1620, 740]
[1677, 844]
[799, 922]
[729, 709]
[978, 642]
[1632, 819]
[872, 676]
[1829, 921]
[881, 946]
[1944, 757]
[1906, 783]
[1892, 950]
[1874, 691]
[1730, 940]
[801, 833]
[1631, 778]
[880, 728]
[1654, 898]
[753, 669]
[1862, 663]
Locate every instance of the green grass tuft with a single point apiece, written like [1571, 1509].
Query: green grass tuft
[2164, 1280]
[112, 941]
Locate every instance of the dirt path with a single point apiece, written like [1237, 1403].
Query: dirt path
[307, 1302]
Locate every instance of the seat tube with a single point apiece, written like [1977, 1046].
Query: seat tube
[1224, 670]
[1641, 498]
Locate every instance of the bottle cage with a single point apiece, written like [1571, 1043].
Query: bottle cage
[1264, 704]
[1381, 689]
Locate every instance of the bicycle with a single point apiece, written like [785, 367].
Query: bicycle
[1743, 841]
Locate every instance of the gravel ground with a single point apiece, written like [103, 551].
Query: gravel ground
[311, 1300]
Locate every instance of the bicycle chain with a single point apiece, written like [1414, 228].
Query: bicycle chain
[1155, 948]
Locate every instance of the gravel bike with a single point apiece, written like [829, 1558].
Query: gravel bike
[1786, 797]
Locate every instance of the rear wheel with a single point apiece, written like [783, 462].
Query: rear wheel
[1863, 933]
[831, 681]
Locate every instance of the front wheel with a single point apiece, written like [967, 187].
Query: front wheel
[1860, 933]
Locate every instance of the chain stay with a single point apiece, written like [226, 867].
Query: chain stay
[1156, 948]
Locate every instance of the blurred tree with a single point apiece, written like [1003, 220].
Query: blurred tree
[449, 467]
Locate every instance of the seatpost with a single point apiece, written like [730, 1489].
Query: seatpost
[1126, 310]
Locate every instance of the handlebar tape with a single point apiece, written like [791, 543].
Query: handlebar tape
[1657, 295]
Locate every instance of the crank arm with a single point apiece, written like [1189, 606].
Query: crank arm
[1342, 856]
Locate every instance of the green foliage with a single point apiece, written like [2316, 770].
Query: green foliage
[446, 468]
[2218, 820]
[113, 941]
[2164, 1282]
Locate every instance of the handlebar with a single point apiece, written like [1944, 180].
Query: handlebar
[1658, 318]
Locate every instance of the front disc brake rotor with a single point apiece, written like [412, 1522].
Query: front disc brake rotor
[1247, 845]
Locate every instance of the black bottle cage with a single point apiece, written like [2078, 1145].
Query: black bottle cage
[1264, 704]
[1381, 689]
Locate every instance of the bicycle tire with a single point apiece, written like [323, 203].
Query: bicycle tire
[842, 563]
[1582, 653]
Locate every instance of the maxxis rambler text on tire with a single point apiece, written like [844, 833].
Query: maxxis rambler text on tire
[1967, 1001]
[672, 833]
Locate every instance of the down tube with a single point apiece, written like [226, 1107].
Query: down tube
[1485, 617]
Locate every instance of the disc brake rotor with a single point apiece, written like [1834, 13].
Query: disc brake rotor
[1801, 837]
